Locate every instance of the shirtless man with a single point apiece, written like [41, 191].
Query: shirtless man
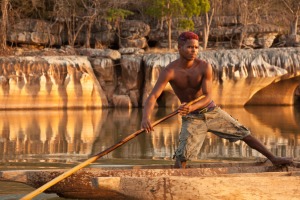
[190, 79]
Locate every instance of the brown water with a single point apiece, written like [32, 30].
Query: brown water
[62, 139]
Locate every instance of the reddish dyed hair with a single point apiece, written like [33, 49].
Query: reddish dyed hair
[183, 37]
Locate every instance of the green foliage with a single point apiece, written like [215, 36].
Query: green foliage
[186, 24]
[204, 6]
[192, 7]
[177, 8]
[163, 8]
[154, 8]
[115, 14]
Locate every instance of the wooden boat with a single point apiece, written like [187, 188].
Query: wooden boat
[201, 181]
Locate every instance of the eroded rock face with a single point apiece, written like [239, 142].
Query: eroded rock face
[105, 72]
[225, 32]
[133, 34]
[249, 36]
[154, 63]
[32, 31]
[104, 35]
[49, 82]
[131, 78]
[122, 81]
[240, 77]
[106, 53]
[134, 29]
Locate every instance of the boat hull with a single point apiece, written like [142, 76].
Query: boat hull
[213, 181]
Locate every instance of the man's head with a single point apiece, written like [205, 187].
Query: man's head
[188, 45]
[183, 37]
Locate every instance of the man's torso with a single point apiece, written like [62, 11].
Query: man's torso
[186, 82]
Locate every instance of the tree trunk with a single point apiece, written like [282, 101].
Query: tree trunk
[119, 34]
[88, 35]
[293, 26]
[206, 28]
[3, 33]
[170, 32]
[205, 32]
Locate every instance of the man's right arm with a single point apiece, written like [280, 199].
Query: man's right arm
[161, 83]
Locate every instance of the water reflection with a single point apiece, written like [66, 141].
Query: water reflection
[73, 135]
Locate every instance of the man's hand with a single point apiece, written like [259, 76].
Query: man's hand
[184, 109]
[146, 124]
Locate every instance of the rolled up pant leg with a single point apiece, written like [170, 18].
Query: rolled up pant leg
[191, 138]
[225, 126]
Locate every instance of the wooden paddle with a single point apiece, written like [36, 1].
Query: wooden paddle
[97, 156]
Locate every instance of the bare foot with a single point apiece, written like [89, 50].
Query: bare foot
[179, 164]
[282, 161]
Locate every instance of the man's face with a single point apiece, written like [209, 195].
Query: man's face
[189, 50]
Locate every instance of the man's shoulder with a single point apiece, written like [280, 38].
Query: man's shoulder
[172, 65]
[202, 62]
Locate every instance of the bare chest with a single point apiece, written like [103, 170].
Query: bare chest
[187, 79]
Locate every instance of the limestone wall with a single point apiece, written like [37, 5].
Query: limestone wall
[110, 78]
[226, 32]
[49, 82]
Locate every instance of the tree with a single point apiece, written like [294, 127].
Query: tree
[196, 8]
[167, 9]
[80, 14]
[117, 15]
[289, 11]
[183, 10]
[33, 9]
[3, 33]
[73, 14]
[247, 12]
[293, 9]
[191, 9]
[205, 8]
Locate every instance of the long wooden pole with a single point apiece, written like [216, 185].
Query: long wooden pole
[97, 156]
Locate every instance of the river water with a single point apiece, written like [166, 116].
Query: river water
[44, 139]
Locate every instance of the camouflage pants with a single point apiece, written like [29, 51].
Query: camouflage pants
[195, 127]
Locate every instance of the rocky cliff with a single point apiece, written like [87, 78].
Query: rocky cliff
[110, 78]
[241, 76]
[226, 32]
[49, 82]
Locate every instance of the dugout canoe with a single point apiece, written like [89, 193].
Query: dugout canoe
[202, 181]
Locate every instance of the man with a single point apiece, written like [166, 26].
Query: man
[190, 79]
